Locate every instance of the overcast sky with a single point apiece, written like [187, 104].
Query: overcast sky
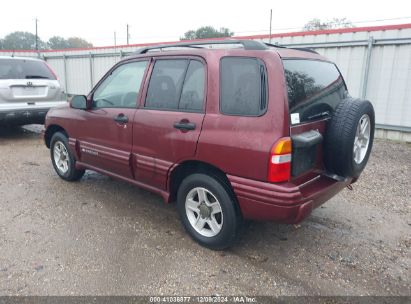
[157, 20]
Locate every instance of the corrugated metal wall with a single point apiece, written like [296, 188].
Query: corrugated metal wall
[376, 64]
[388, 83]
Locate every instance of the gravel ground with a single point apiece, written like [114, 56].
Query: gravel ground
[101, 236]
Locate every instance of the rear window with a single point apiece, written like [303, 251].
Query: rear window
[314, 87]
[24, 69]
[243, 86]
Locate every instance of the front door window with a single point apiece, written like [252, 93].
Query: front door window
[121, 88]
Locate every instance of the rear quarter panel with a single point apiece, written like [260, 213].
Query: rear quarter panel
[240, 145]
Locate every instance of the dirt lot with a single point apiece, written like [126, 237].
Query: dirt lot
[101, 236]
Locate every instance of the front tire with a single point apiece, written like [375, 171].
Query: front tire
[209, 211]
[62, 158]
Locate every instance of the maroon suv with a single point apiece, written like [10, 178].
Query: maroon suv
[231, 130]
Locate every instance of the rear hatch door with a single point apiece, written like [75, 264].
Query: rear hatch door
[315, 88]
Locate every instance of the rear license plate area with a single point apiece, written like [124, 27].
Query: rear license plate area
[28, 91]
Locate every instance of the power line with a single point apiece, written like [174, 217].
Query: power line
[106, 39]
[379, 20]
[300, 27]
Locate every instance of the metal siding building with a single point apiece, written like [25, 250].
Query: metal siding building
[375, 62]
[385, 80]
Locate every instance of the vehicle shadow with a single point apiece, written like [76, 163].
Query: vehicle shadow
[290, 254]
[20, 132]
[256, 237]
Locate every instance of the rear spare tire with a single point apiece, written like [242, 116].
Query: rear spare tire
[349, 137]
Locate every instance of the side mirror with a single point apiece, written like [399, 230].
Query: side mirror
[79, 102]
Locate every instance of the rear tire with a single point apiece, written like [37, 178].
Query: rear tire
[209, 211]
[62, 158]
[349, 137]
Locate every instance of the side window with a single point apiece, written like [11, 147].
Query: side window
[165, 84]
[176, 84]
[243, 86]
[121, 88]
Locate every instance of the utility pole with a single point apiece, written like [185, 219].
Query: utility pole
[37, 45]
[128, 35]
[271, 21]
[115, 46]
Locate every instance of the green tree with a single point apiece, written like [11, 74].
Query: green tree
[22, 41]
[207, 32]
[76, 42]
[57, 42]
[317, 24]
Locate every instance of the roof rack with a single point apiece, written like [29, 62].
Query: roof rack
[247, 45]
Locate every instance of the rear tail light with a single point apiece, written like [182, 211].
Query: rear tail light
[279, 165]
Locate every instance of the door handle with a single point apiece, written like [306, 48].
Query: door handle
[185, 125]
[121, 119]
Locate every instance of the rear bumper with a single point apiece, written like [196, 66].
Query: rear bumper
[24, 113]
[285, 202]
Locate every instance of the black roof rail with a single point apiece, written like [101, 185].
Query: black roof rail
[247, 45]
[291, 48]
[275, 45]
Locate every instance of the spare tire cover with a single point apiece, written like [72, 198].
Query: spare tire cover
[349, 137]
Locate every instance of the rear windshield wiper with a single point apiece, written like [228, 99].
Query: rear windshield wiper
[36, 77]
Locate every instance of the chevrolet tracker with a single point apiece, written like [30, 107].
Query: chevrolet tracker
[242, 130]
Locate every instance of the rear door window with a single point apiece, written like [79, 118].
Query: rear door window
[24, 69]
[243, 86]
[315, 88]
[176, 84]
[165, 84]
